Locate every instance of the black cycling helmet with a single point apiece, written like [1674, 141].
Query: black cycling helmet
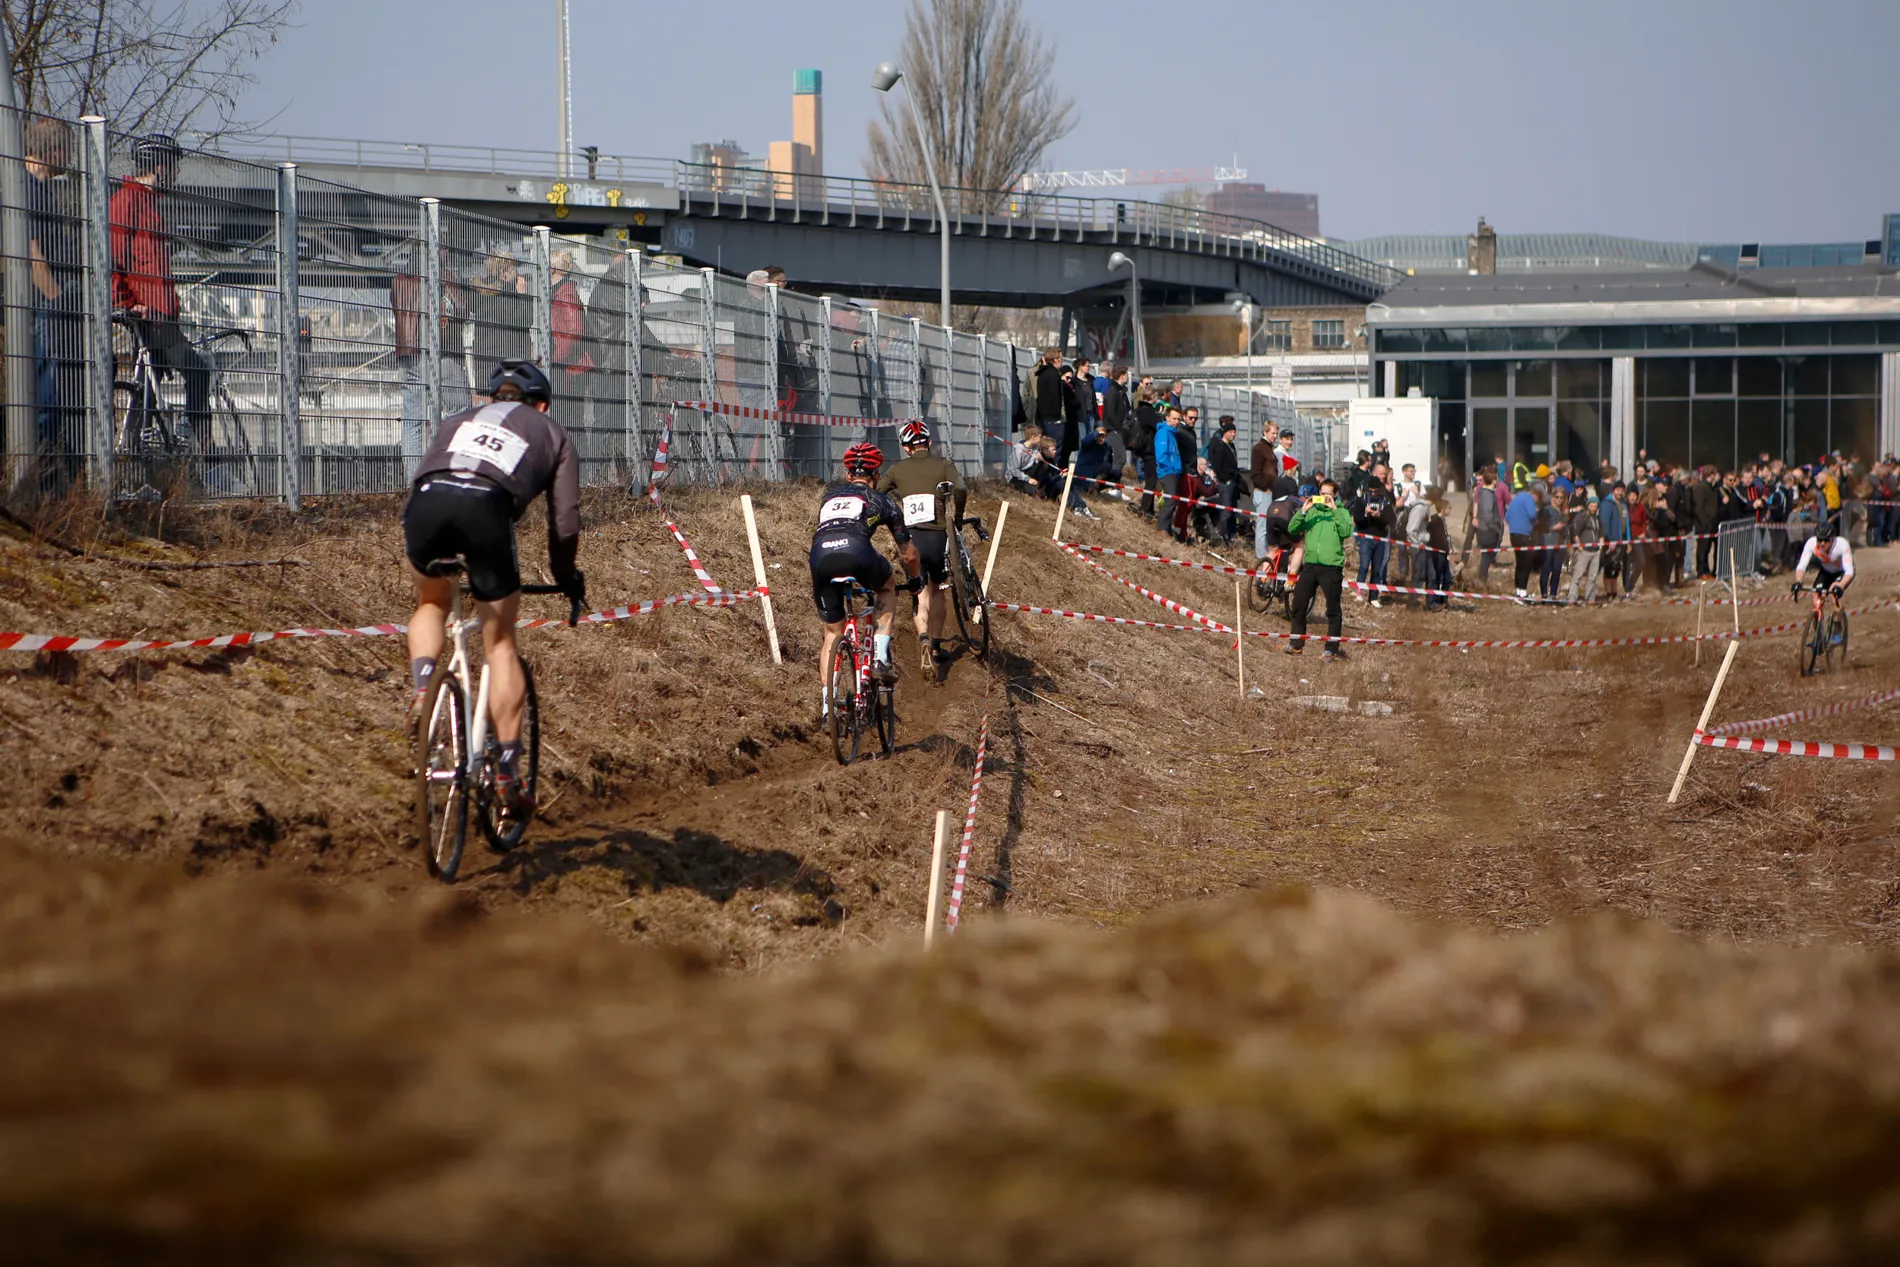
[1826, 529]
[524, 375]
[155, 151]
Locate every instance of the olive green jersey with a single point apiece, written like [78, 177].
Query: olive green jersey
[913, 482]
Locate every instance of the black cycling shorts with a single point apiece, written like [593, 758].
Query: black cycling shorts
[1277, 535]
[1824, 577]
[933, 547]
[839, 554]
[474, 519]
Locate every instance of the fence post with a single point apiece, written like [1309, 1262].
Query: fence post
[432, 330]
[775, 452]
[708, 360]
[949, 392]
[22, 429]
[881, 404]
[289, 337]
[99, 300]
[824, 367]
[543, 333]
[917, 367]
[633, 335]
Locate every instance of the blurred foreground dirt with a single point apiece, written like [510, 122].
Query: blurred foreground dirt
[241, 1024]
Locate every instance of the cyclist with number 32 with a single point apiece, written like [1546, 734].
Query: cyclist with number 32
[849, 516]
[481, 472]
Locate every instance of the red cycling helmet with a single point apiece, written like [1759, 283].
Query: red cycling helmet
[914, 432]
[863, 458]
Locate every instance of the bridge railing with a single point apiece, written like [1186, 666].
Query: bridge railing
[301, 337]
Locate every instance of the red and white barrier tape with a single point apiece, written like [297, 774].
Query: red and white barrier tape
[1805, 714]
[1800, 748]
[1179, 609]
[952, 911]
[787, 416]
[1499, 644]
[653, 492]
[62, 642]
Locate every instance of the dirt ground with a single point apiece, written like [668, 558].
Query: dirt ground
[1555, 1020]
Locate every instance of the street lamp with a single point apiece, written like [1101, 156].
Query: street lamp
[1244, 307]
[886, 78]
[1118, 260]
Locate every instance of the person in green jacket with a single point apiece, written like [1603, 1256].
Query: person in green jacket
[1324, 527]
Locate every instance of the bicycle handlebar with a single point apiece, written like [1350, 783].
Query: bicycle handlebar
[976, 522]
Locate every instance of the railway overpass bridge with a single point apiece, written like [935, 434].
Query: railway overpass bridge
[863, 238]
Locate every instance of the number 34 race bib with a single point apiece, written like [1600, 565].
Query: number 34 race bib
[476, 441]
[920, 510]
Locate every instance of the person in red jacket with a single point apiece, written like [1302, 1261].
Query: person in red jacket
[142, 271]
[568, 315]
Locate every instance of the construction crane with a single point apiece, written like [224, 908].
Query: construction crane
[1117, 176]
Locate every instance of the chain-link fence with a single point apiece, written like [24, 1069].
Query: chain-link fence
[163, 341]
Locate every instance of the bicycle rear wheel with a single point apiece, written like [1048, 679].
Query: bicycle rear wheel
[442, 775]
[1812, 645]
[884, 719]
[846, 723]
[504, 834]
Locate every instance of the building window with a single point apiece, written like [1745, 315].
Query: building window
[1277, 336]
[1329, 335]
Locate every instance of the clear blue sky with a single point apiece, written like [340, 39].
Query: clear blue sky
[1706, 120]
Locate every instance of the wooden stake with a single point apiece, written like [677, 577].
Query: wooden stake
[758, 573]
[1068, 481]
[996, 539]
[936, 878]
[1734, 593]
[1688, 757]
[1701, 590]
[1240, 637]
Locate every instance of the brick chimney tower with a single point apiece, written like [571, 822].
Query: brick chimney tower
[1481, 250]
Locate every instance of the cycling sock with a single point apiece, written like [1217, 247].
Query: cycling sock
[420, 671]
[881, 648]
[511, 759]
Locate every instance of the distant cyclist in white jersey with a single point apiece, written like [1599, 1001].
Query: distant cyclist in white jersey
[1828, 553]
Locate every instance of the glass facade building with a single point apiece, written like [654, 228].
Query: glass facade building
[1699, 367]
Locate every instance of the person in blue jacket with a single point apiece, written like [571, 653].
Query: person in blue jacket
[1167, 472]
[1520, 519]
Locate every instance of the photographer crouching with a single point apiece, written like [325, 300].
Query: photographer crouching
[1323, 527]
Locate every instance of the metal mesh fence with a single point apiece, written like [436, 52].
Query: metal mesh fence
[155, 314]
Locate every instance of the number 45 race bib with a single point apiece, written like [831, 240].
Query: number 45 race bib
[476, 441]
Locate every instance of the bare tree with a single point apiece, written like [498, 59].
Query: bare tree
[146, 65]
[983, 80]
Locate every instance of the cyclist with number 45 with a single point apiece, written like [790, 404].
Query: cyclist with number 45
[478, 477]
[848, 518]
[914, 481]
[1832, 559]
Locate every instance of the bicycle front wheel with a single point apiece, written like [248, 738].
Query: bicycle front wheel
[846, 721]
[504, 834]
[1813, 644]
[976, 630]
[884, 719]
[442, 775]
[1837, 640]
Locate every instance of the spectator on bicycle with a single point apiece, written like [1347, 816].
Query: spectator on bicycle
[848, 519]
[479, 475]
[142, 273]
[914, 480]
[406, 304]
[1831, 557]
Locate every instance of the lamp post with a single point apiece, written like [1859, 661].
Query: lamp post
[1244, 308]
[1118, 260]
[884, 79]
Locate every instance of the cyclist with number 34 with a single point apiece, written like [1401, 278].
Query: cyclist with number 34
[479, 475]
[914, 481]
[848, 518]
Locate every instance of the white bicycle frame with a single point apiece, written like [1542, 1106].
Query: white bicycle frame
[458, 628]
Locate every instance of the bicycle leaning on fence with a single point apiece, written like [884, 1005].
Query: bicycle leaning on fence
[1824, 632]
[457, 753]
[151, 429]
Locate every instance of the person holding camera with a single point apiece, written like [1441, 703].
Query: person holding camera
[1322, 527]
